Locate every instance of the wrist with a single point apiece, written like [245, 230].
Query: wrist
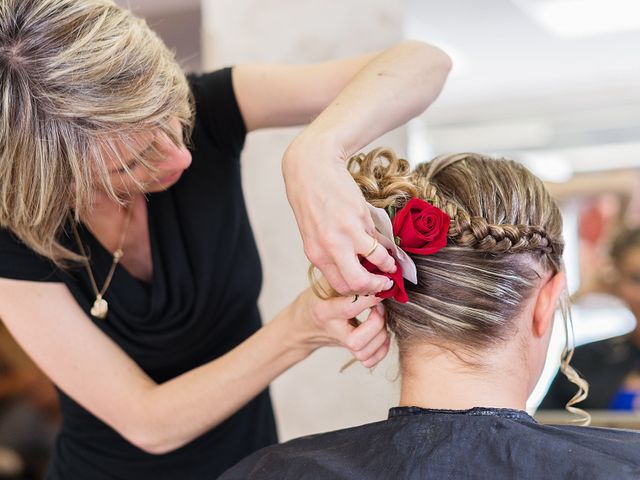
[314, 147]
[292, 332]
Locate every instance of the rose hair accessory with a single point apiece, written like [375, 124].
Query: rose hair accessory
[418, 228]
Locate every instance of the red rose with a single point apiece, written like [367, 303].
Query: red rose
[397, 291]
[421, 227]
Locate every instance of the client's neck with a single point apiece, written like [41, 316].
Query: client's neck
[436, 378]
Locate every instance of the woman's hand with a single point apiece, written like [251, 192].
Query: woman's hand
[332, 322]
[333, 219]
[352, 101]
[384, 92]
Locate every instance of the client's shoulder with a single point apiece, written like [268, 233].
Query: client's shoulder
[600, 435]
[595, 449]
[474, 444]
[313, 456]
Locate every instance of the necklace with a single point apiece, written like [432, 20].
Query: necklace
[100, 306]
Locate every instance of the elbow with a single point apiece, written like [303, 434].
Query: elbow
[435, 59]
[151, 442]
[151, 434]
[444, 61]
[156, 449]
[434, 69]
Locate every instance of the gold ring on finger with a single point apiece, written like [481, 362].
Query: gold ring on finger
[373, 248]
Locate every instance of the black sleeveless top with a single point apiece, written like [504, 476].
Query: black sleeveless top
[201, 303]
[476, 444]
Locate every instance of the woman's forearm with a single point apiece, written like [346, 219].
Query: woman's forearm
[392, 88]
[93, 370]
[176, 412]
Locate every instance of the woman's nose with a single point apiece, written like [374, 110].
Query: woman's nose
[180, 157]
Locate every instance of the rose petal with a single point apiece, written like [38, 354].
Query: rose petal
[397, 292]
[383, 225]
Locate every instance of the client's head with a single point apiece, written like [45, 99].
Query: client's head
[484, 304]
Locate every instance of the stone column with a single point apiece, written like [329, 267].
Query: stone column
[313, 396]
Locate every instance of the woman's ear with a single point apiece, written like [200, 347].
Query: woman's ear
[546, 303]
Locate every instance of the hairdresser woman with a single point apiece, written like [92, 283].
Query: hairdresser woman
[128, 270]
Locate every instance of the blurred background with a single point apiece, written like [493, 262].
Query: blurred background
[551, 83]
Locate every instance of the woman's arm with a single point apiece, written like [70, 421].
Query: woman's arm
[349, 103]
[46, 321]
[288, 95]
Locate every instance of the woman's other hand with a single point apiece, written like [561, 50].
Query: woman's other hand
[333, 322]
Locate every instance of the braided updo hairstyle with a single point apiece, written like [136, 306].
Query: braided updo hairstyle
[505, 234]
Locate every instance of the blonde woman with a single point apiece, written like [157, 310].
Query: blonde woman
[480, 250]
[128, 270]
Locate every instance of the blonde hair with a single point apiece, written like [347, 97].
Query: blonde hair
[505, 234]
[78, 80]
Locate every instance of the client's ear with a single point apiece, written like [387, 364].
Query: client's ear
[546, 304]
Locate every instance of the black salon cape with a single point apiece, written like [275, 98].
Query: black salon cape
[605, 365]
[481, 443]
[202, 302]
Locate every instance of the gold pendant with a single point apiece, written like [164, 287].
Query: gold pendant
[100, 308]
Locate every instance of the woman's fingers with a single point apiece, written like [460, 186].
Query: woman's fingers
[352, 306]
[337, 256]
[368, 341]
[379, 355]
[333, 315]
[358, 278]
[376, 348]
[365, 340]
[379, 255]
[381, 258]
[348, 263]
[332, 275]
[372, 347]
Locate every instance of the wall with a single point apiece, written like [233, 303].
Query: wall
[313, 396]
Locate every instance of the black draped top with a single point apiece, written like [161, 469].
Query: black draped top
[605, 365]
[201, 303]
[478, 444]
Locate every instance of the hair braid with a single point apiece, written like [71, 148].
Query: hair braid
[503, 238]
[477, 232]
